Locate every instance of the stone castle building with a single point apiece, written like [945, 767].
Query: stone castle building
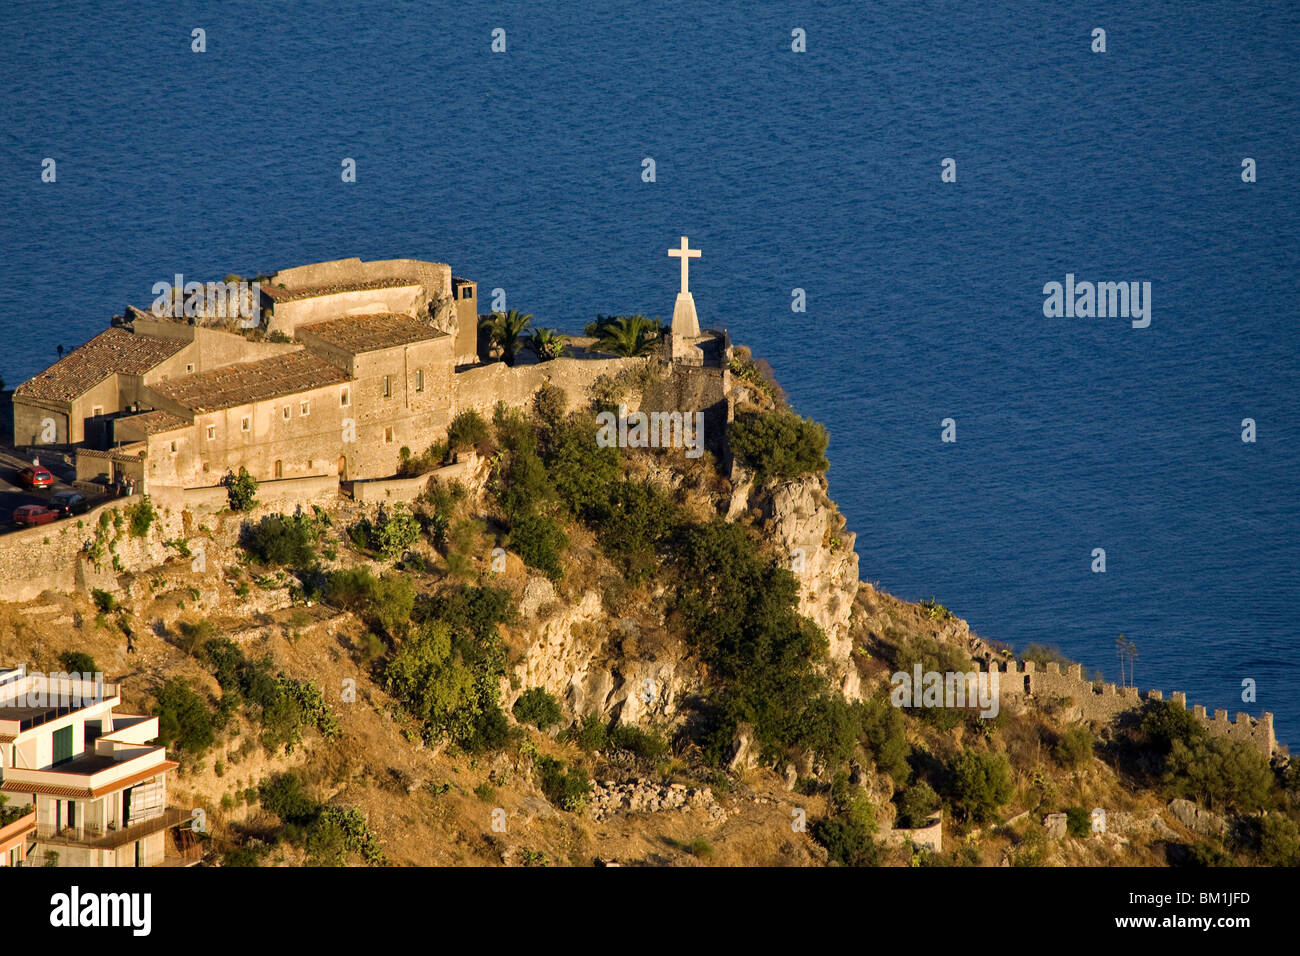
[347, 362]
[344, 364]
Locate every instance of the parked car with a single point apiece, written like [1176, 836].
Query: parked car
[27, 516]
[69, 503]
[34, 476]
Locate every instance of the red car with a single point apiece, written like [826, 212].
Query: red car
[26, 516]
[34, 476]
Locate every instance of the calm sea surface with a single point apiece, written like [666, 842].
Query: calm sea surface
[818, 171]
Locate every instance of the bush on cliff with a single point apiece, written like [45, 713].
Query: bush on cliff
[241, 489]
[184, 718]
[978, 784]
[535, 706]
[289, 540]
[847, 832]
[779, 445]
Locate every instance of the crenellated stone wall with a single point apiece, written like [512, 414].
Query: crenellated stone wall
[1103, 702]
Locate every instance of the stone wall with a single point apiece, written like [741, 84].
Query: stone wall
[1102, 702]
[482, 386]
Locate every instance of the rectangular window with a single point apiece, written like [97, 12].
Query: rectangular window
[343, 397]
[173, 448]
[212, 432]
[286, 413]
[97, 411]
[469, 292]
[246, 423]
[189, 368]
[388, 386]
[388, 436]
[304, 408]
[419, 380]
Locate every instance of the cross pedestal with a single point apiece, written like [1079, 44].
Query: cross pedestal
[686, 323]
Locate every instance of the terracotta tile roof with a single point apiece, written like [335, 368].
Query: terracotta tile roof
[114, 350]
[247, 382]
[151, 423]
[365, 333]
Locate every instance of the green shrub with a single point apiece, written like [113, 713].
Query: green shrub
[77, 662]
[568, 791]
[104, 601]
[979, 783]
[285, 796]
[1042, 656]
[1074, 747]
[1225, 774]
[467, 430]
[140, 517]
[642, 744]
[778, 444]
[884, 734]
[535, 706]
[241, 490]
[394, 531]
[184, 718]
[590, 734]
[540, 542]
[289, 540]
[847, 834]
[1279, 841]
[1078, 822]
[916, 805]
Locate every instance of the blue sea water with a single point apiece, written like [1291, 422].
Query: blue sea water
[819, 171]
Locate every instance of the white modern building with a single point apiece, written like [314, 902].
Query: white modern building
[96, 784]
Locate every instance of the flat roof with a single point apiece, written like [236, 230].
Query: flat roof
[279, 293]
[111, 351]
[246, 382]
[367, 333]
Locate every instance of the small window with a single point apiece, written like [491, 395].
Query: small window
[97, 411]
[189, 368]
[304, 408]
[246, 423]
[388, 435]
[287, 413]
[469, 292]
[419, 380]
[388, 386]
[173, 448]
[343, 397]
[212, 432]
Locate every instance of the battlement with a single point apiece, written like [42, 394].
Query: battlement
[1102, 701]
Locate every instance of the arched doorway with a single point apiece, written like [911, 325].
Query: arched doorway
[343, 468]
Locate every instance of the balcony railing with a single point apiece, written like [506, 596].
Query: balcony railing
[105, 838]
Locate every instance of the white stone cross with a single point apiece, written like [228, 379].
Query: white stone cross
[686, 254]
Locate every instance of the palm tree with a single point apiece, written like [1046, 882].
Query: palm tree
[627, 335]
[547, 343]
[505, 328]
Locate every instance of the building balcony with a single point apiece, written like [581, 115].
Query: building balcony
[14, 831]
[110, 837]
[114, 766]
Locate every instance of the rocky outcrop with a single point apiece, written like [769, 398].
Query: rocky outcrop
[608, 798]
[801, 520]
[578, 655]
[1198, 819]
